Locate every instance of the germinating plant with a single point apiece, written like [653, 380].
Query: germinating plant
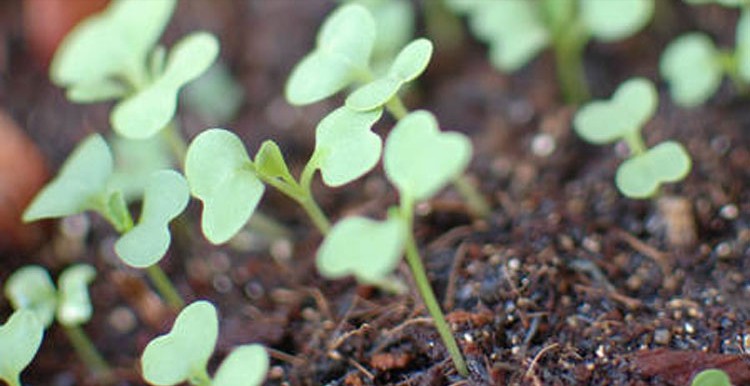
[83, 184]
[20, 338]
[518, 30]
[621, 119]
[30, 288]
[182, 354]
[711, 377]
[695, 67]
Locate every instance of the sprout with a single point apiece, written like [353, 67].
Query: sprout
[20, 338]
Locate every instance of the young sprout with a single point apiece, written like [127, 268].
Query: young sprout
[230, 184]
[622, 118]
[113, 55]
[84, 184]
[182, 354]
[30, 288]
[20, 338]
[695, 67]
[517, 30]
[419, 160]
[711, 377]
[394, 23]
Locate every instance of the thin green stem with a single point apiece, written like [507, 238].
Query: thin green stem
[302, 196]
[396, 107]
[476, 202]
[201, 379]
[635, 143]
[316, 214]
[88, 353]
[428, 296]
[165, 287]
[569, 60]
[175, 141]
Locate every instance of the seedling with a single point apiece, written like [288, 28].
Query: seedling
[518, 30]
[341, 59]
[711, 377]
[20, 338]
[419, 160]
[622, 118]
[30, 288]
[695, 67]
[182, 354]
[83, 184]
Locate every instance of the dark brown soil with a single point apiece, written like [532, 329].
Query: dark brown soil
[567, 283]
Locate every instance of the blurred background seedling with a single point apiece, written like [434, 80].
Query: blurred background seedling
[20, 338]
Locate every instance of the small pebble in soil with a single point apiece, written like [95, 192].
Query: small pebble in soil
[220, 262]
[721, 144]
[689, 329]
[543, 145]
[122, 319]
[724, 250]
[729, 212]
[281, 250]
[253, 290]
[662, 336]
[222, 284]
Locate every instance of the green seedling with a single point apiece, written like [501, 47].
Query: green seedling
[622, 118]
[349, 32]
[419, 160]
[182, 354]
[711, 377]
[30, 288]
[84, 184]
[518, 30]
[694, 67]
[113, 55]
[230, 184]
[20, 338]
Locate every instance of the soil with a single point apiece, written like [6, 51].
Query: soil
[566, 283]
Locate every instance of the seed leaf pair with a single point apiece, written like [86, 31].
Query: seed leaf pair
[408, 65]
[182, 354]
[342, 55]
[623, 118]
[148, 111]
[31, 288]
[20, 338]
[165, 197]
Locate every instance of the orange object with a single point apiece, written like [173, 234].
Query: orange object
[22, 175]
[46, 22]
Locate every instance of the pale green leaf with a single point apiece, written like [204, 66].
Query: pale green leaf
[31, 288]
[742, 52]
[135, 161]
[183, 353]
[341, 56]
[20, 338]
[217, 96]
[79, 185]
[367, 249]
[75, 305]
[420, 160]
[96, 91]
[691, 65]
[631, 106]
[726, 3]
[345, 148]
[114, 42]
[221, 175]
[145, 113]
[711, 377]
[374, 94]
[641, 176]
[165, 197]
[615, 20]
[245, 366]
[394, 21]
[270, 162]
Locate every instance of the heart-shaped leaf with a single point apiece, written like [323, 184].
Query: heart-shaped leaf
[631, 106]
[164, 198]
[245, 366]
[641, 176]
[370, 250]
[341, 56]
[183, 353]
[420, 160]
[148, 111]
[75, 306]
[345, 148]
[513, 28]
[270, 162]
[615, 20]
[711, 377]
[409, 64]
[113, 43]
[20, 338]
[31, 288]
[80, 184]
[691, 66]
[221, 175]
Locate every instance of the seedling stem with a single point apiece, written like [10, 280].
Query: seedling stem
[88, 353]
[425, 291]
[165, 287]
[569, 57]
